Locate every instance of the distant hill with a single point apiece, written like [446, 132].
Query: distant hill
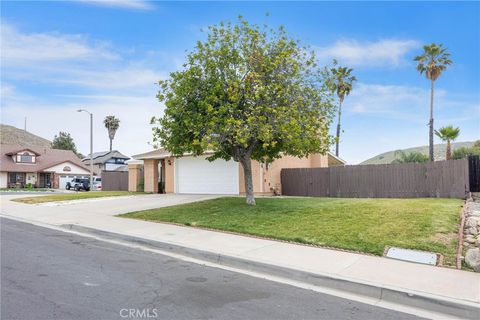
[439, 152]
[12, 135]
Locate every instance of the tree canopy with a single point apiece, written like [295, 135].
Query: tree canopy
[340, 80]
[112, 124]
[64, 141]
[448, 134]
[246, 92]
[433, 61]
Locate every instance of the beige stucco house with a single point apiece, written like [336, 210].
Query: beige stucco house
[189, 174]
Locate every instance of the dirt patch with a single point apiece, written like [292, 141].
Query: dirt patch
[444, 238]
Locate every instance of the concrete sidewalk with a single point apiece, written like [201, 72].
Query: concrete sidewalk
[447, 288]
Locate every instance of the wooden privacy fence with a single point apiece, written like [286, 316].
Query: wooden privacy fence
[441, 179]
[115, 180]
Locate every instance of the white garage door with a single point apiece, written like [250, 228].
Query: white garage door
[197, 175]
[62, 180]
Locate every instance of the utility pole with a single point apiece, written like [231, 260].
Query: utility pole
[91, 146]
[25, 124]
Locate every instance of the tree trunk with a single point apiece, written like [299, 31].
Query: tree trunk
[338, 128]
[111, 144]
[247, 176]
[430, 142]
[449, 150]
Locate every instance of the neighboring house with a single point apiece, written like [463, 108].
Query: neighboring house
[190, 174]
[39, 166]
[107, 161]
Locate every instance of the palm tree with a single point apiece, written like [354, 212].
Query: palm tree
[111, 123]
[432, 62]
[448, 134]
[340, 81]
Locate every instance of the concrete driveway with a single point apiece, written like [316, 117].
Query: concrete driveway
[79, 211]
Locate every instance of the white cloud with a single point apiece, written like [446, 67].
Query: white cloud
[65, 59]
[7, 89]
[134, 77]
[72, 71]
[48, 118]
[387, 100]
[379, 118]
[386, 52]
[125, 4]
[405, 102]
[32, 48]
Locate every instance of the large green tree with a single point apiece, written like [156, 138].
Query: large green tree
[432, 62]
[112, 124]
[64, 141]
[245, 93]
[448, 134]
[340, 81]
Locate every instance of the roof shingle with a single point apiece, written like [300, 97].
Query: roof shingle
[46, 158]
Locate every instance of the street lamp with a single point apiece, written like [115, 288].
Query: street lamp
[91, 146]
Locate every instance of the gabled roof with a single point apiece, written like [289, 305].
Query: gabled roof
[11, 153]
[160, 153]
[336, 159]
[46, 158]
[103, 156]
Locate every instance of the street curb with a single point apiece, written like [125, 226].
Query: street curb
[433, 303]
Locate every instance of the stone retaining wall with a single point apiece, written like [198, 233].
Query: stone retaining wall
[472, 233]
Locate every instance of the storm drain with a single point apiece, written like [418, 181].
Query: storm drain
[412, 256]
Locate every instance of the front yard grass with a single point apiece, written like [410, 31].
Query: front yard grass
[74, 196]
[26, 190]
[366, 225]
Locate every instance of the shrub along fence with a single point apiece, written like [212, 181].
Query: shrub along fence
[441, 179]
[115, 180]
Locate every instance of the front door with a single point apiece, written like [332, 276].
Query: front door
[45, 180]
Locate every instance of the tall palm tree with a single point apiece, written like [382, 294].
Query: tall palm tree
[340, 82]
[448, 134]
[432, 62]
[111, 123]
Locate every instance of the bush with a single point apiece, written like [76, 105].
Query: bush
[141, 186]
[161, 187]
[409, 157]
[462, 153]
[29, 186]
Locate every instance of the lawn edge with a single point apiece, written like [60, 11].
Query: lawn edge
[305, 244]
[19, 200]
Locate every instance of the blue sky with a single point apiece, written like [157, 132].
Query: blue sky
[106, 56]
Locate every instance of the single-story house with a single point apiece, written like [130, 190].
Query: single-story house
[41, 167]
[189, 174]
[107, 161]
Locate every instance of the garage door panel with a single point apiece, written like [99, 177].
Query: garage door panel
[198, 175]
[62, 180]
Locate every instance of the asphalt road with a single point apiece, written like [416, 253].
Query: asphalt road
[48, 274]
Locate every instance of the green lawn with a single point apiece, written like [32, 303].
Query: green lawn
[366, 225]
[74, 196]
[26, 190]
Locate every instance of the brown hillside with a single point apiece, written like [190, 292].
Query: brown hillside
[12, 135]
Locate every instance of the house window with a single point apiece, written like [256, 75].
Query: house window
[16, 177]
[26, 157]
